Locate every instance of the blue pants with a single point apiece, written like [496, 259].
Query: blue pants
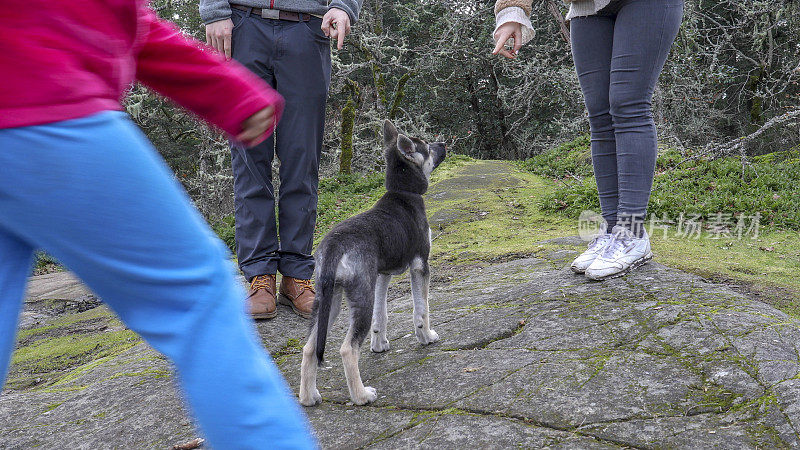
[93, 193]
[295, 59]
[618, 55]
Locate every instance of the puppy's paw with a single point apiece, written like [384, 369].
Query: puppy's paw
[426, 337]
[368, 396]
[379, 344]
[310, 398]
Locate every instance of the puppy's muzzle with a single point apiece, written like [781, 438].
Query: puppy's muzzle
[439, 152]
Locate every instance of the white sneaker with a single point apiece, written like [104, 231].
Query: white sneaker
[596, 247]
[623, 253]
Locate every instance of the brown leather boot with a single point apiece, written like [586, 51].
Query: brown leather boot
[299, 294]
[261, 298]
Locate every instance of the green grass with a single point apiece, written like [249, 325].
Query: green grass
[226, 230]
[685, 183]
[343, 196]
[568, 159]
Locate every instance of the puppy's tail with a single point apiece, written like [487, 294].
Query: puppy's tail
[325, 283]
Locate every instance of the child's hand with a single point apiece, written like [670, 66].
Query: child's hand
[254, 128]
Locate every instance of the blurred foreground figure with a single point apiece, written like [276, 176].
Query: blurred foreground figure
[80, 181]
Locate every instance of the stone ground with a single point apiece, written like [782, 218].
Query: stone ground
[530, 355]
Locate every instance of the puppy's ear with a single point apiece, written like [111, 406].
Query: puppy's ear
[406, 147]
[389, 133]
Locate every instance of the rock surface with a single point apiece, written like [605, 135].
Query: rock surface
[531, 355]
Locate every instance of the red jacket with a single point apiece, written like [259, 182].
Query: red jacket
[63, 59]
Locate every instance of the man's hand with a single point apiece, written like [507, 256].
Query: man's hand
[336, 25]
[254, 127]
[501, 36]
[218, 35]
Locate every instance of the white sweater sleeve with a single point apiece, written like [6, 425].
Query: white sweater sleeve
[516, 14]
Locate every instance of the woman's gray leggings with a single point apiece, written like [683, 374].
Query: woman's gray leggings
[619, 54]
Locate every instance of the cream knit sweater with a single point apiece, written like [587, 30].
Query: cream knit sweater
[520, 10]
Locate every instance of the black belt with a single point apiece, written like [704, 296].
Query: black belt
[275, 13]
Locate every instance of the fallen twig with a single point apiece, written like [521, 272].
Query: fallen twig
[194, 443]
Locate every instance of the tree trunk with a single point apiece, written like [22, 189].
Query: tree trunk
[474, 104]
[501, 116]
[399, 93]
[348, 120]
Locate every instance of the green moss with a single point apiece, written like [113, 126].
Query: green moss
[77, 373]
[486, 306]
[101, 312]
[46, 358]
[293, 346]
[59, 353]
[506, 221]
[52, 406]
[772, 272]
[32, 332]
[157, 373]
[450, 167]
[63, 325]
[63, 389]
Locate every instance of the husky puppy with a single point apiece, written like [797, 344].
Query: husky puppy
[358, 258]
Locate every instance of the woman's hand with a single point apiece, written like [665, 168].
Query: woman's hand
[501, 36]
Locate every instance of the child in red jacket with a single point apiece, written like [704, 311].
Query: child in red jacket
[80, 181]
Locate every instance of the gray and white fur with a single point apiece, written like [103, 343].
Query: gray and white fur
[358, 257]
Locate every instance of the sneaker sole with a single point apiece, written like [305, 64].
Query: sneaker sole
[266, 315]
[636, 264]
[284, 300]
[576, 270]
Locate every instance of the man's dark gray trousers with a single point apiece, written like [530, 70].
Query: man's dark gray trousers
[295, 59]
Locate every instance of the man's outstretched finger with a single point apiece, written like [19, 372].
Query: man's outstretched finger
[333, 33]
[340, 37]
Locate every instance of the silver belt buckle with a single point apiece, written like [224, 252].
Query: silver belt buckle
[270, 13]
